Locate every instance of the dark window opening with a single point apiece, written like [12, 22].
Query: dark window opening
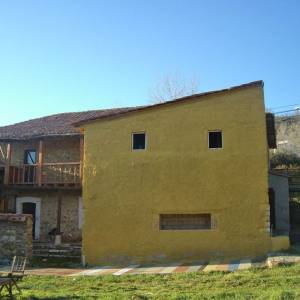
[215, 139]
[184, 221]
[29, 166]
[138, 141]
[30, 157]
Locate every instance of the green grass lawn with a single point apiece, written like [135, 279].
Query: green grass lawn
[277, 283]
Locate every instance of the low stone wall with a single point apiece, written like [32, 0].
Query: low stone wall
[15, 236]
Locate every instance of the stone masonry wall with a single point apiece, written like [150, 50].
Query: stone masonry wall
[15, 236]
[69, 216]
[49, 206]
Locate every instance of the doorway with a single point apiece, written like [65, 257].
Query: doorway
[32, 206]
[29, 208]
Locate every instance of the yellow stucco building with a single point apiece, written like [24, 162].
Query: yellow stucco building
[182, 180]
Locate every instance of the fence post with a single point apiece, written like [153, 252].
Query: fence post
[81, 158]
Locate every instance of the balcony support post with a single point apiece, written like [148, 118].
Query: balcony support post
[40, 163]
[7, 165]
[81, 158]
[58, 218]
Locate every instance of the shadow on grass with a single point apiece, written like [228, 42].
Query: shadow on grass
[52, 298]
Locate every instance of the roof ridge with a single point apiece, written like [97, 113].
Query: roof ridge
[244, 85]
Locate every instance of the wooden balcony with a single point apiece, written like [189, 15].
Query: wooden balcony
[38, 173]
[46, 174]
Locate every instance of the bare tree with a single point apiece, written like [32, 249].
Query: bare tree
[172, 87]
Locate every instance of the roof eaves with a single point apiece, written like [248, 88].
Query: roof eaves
[34, 137]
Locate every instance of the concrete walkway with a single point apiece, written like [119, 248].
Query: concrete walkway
[166, 269]
[171, 268]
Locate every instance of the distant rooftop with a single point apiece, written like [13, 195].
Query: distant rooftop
[54, 125]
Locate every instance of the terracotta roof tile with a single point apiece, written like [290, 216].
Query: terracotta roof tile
[54, 125]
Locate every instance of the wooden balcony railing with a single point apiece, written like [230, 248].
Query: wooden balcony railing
[68, 173]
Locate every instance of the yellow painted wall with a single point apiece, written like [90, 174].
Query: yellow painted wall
[125, 191]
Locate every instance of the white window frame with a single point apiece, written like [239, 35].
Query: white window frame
[216, 130]
[146, 140]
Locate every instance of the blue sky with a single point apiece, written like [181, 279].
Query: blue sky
[60, 55]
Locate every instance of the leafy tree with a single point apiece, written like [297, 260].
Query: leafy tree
[172, 87]
[285, 159]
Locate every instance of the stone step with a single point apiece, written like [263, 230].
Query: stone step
[57, 248]
[56, 253]
[52, 246]
[42, 249]
[56, 256]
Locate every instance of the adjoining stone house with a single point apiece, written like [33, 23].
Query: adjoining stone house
[182, 180]
[41, 172]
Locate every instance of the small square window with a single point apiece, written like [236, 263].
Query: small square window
[138, 141]
[215, 139]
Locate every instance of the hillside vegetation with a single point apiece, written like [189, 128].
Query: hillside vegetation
[287, 153]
